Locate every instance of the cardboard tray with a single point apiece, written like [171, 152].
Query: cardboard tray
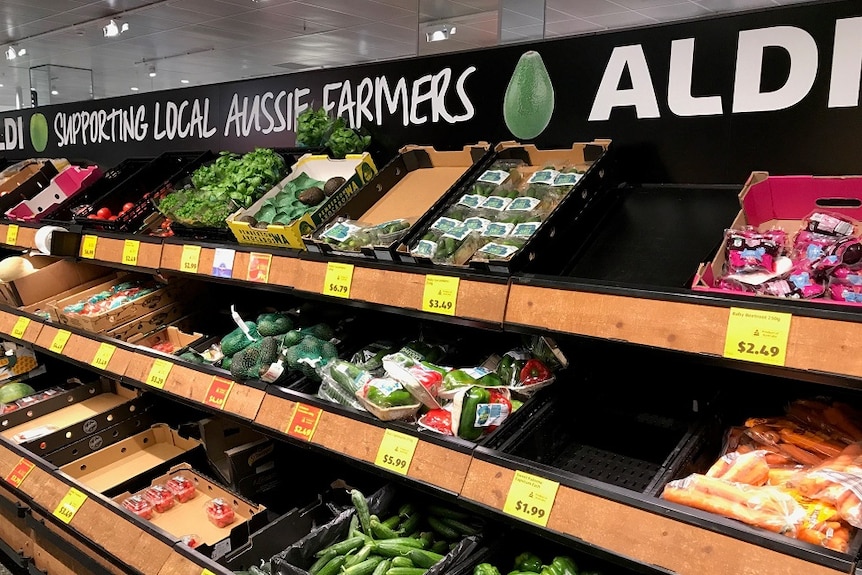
[47, 307]
[104, 405]
[356, 169]
[190, 517]
[169, 333]
[291, 157]
[138, 421]
[140, 188]
[593, 157]
[784, 202]
[49, 281]
[149, 323]
[64, 212]
[110, 470]
[28, 182]
[412, 186]
[125, 313]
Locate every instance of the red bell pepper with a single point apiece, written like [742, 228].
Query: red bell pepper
[534, 371]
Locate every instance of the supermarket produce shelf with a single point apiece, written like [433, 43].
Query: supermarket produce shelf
[585, 512]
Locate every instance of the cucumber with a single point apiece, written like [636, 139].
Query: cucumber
[459, 526]
[342, 547]
[321, 562]
[442, 529]
[440, 511]
[406, 571]
[361, 506]
[402, 561]
[361, 556]
[440, 547]
[333, 567]
[423, 558]
[381, 531]
[382, 567]
[392, 522]
[365, 567]
[410, 524]
[406, 510]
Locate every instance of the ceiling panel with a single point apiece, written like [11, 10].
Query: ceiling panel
[207, 41]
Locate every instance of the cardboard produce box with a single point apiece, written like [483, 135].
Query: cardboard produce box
[162, 295]
[356, 169]
[786, 203]
[148, 323]
[83, 413]
[170, 334]
[112, 467]
[46, 308]
[51, 278]
[511, 208]
[404, 193]
[190, 517]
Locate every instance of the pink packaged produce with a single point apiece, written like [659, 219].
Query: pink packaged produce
[219, 512]
[182, 488]
[796, 237]
[139, 506]
[159, 497]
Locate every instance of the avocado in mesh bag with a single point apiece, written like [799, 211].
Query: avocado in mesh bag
[246, 363]
[273, 324]
[309, 354]
[318, 330]
[236, 340]
[269, 347]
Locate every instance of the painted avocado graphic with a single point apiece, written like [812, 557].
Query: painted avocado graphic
[39, 132]
[529, 100]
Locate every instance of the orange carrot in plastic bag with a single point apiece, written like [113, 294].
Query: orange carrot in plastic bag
[749, 468]
[810, 442]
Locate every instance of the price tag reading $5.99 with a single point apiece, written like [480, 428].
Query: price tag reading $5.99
[758, 336]
[396, 451]
[531, 498]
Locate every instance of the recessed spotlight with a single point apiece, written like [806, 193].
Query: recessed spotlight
[54, 92]
[112, 30]
[1, 85]
[183, 81]
[134, 88]
[439, 32]
[152, 71]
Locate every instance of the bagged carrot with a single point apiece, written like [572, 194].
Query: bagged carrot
[750, 467]
[837, 481]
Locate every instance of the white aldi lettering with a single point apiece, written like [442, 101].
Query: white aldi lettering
[800, 46]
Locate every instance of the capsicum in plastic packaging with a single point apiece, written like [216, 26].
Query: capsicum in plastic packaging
[479, 410]
[421, 379]
[533, 372]
[561, 565]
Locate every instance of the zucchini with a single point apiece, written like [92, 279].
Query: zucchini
[423, 558]
[361, 506]
[342, 547]
[321, 562]
[333, 567]
[365, 567]
[442, 529]
[406, 571]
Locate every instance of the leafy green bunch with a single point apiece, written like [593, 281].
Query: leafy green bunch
[316, 128]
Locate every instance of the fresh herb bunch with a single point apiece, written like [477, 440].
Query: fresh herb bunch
[316, 128]
[345, 140]
[230, 182]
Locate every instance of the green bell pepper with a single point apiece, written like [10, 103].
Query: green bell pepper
[485, 569]
[509, 369]
[398, 397]
[528, 562]
[457, 378]
[561, 565]
[490, 380]
[467, 428]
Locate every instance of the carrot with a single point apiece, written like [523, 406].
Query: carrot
[774, 459]
[749, 468]
[800, 455]
[720, 506]
[768, 499]
[810, 442]
[781, 475]
[843, 418]
[850, 508]
[833, 541]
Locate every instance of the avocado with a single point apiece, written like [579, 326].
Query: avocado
[332, 184]
[311, 196]
[247, 219]
[529, 100]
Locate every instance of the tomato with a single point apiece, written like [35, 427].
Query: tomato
[128, 206]
[103, 213]
[93, 217]
[112, 218]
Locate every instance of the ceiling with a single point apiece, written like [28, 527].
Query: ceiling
[206, 41]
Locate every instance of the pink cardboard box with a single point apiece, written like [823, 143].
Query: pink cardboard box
[784, 202]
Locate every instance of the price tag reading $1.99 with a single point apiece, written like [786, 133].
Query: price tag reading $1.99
[531, 498]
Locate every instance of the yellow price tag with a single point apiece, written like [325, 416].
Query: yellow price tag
[103, 355]
[12, 234]
[159, 373]
[440, 295]
[338, 279]
[130, 252]
[69, 505]
[531, 498]
[758, 336]
[396, 451]
[88, 247]
[59, 341]
[191, 257]
[20, 327]
[207, 572]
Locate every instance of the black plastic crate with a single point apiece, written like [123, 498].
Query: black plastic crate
[222, 235]
[28, 188]
[149, 181]
[64, 213]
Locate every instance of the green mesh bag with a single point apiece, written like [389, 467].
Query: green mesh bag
[309, 354]
[291, 338]
[246, 363]
[269, 347]
[318, 330]
[225, 362]
[273, 324]
[236, 340]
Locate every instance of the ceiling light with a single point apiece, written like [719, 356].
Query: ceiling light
[183, 81]
[152, 71]
[134, 88]
[54, 92]
[1, 85]
[12, 52]
[439, 32]
[112, 30]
